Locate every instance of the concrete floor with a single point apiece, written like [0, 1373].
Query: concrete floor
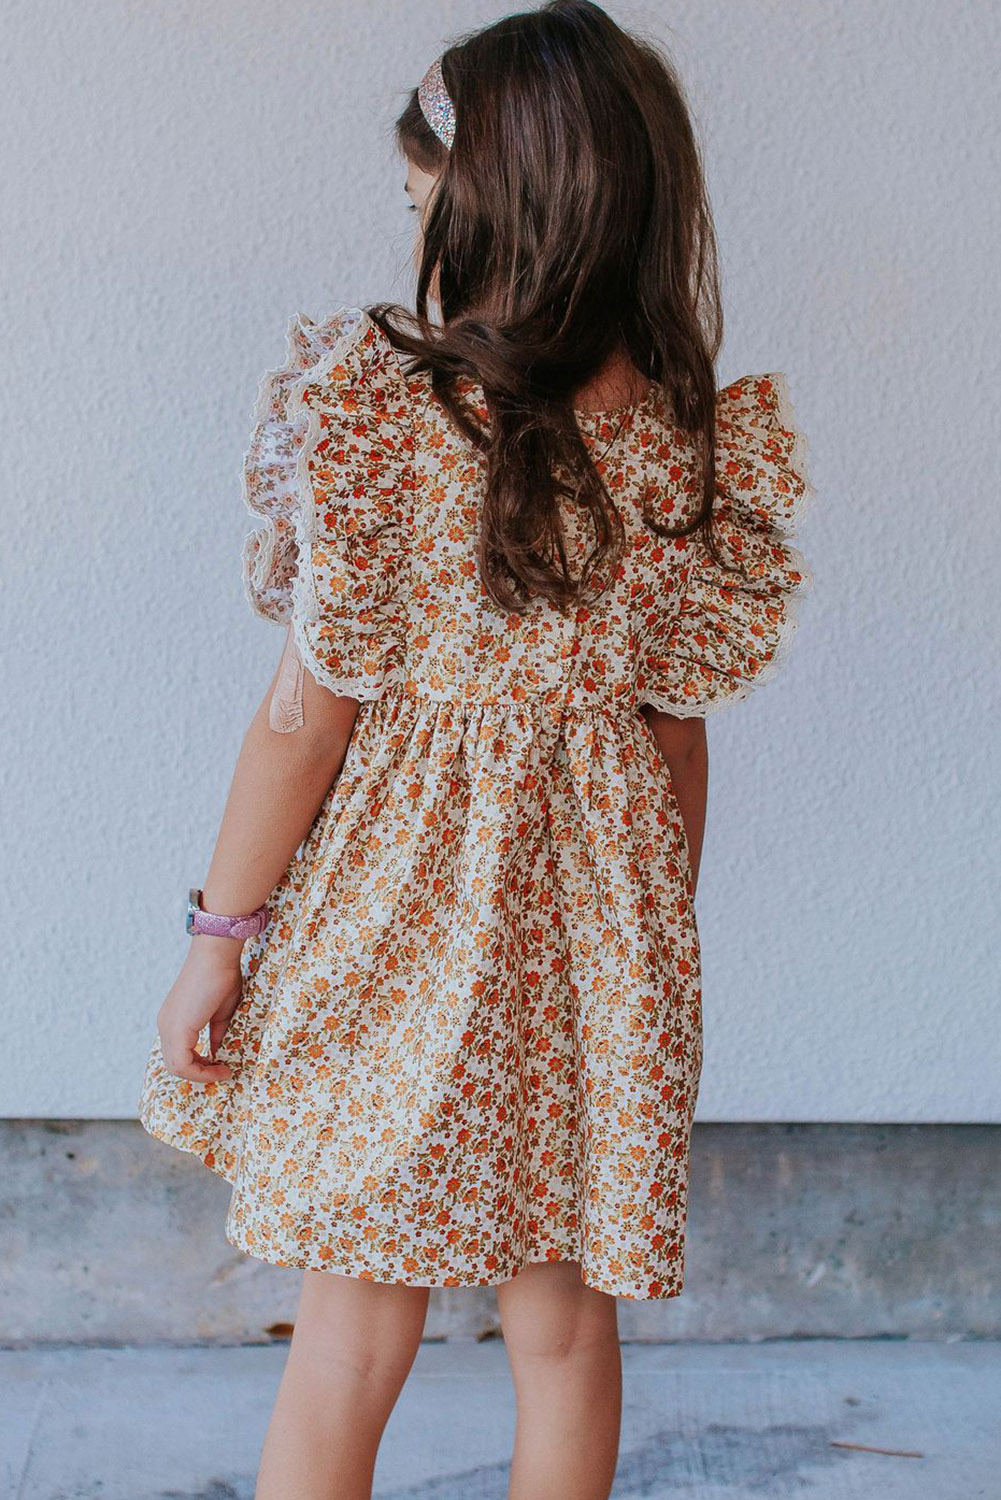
[720, 1421]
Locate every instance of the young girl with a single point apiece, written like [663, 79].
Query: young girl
[440, 1020]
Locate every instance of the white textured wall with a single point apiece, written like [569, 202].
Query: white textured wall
[178, 180]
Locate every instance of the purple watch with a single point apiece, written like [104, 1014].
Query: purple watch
[213, 925]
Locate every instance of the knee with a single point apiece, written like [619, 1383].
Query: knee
[556, 1319]
[570, 1340]
[356, 1332]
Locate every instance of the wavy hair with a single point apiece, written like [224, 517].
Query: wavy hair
[569, 221]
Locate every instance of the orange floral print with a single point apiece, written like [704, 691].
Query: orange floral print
[471, 1035]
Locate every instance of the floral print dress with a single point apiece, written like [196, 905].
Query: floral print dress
[470, 1036]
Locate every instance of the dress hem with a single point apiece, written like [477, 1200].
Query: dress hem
[304, 1263]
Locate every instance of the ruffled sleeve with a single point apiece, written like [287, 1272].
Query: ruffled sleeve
[327, 476]
[723, 632]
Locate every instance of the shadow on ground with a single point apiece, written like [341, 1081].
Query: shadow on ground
[766, 1462]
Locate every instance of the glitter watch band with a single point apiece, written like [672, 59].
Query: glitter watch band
[211, 924]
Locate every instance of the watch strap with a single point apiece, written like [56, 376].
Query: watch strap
[213, 924]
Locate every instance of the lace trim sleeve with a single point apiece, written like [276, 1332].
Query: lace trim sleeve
[732, 630]
[326, 557]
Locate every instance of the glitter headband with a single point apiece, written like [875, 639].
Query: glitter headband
[436, 106]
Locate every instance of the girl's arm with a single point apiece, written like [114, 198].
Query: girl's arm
[683, 745]
[278, 786]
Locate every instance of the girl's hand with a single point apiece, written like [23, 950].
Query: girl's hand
[205, 993]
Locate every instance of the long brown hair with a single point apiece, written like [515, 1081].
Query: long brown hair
[569, 219]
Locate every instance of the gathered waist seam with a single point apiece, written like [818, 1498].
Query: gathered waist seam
[557, 701]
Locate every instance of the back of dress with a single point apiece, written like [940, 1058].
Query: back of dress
[471, 1035]
[359, 472]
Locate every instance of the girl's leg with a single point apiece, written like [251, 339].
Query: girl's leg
[562, 1342]
[352, 1349]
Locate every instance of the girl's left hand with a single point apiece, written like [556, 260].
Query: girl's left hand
[205, 993]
